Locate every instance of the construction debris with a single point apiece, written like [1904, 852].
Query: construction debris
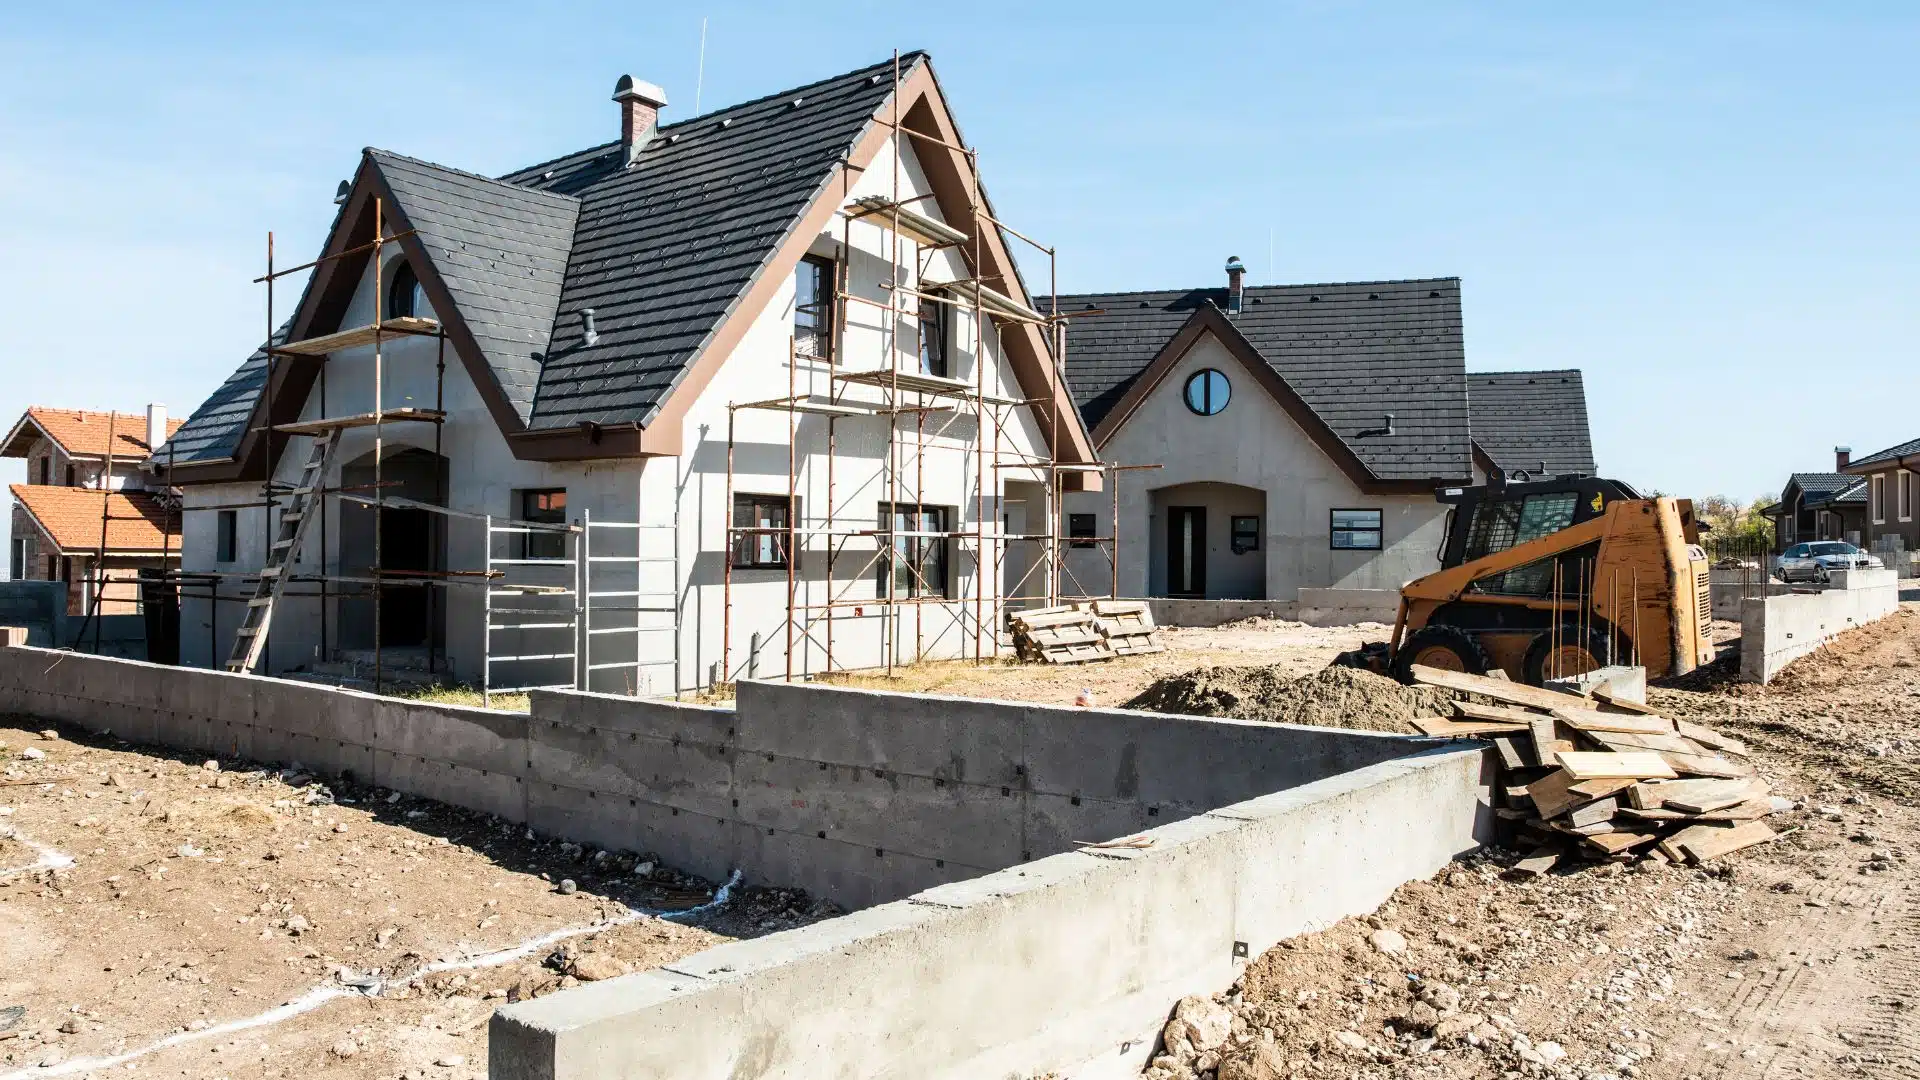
[1078, 633]
[1607, 779]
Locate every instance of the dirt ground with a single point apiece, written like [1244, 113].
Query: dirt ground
[161, 918]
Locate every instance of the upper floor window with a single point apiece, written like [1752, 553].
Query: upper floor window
[543, 506]
[1207, 392]
[406, 297]
[813, 307]
[46, 469]
[933, 338]
[226, 541]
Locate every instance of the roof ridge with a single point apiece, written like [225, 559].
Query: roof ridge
[375, 151]
[907, 60]
[1254, 288]
[1526, 371]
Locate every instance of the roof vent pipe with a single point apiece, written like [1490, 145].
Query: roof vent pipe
[640, 105]
[1236, 284]
[593, 332]
[340, 193]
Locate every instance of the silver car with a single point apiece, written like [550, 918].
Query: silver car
[1817, 560]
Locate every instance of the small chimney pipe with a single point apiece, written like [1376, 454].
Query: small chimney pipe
[156, 426]
[1842, 455]
[587, 324]
[640, 105]
[1236, 284]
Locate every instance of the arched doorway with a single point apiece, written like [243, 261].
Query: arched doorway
[409, 612]
[1208, 541]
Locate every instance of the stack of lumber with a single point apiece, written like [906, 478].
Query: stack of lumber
[1078, 633]
[1607, 778]
[1127, 625]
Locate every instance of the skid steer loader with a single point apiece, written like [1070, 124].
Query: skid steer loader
[1550, 578]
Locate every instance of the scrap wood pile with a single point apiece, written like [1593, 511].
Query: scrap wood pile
[1608, 778]
[1078, 633]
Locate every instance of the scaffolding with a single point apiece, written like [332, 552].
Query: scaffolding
[563, 594]
[919, 409]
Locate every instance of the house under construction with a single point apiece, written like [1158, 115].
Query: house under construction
[756, 393]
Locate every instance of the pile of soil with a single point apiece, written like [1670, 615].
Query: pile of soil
[1340, 697]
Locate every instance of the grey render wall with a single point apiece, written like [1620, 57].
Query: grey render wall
[1777, 630]
[1253, 443]
[1066, 963]
[858, 796]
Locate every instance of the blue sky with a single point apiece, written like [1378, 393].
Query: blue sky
[1712, 211]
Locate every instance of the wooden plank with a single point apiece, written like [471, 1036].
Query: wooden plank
[1437, 725]
[1654, 815]
[1714, 842]
[1596, 811]
[1599, 789]
[1712, 739]
[1594, 720]
[1509, 750]
[1751, 810]
[1608, 697]
[1706, 796]
[1512, 714]
[358, 335]
[360, 420]
[1540, 861]
[1627, 741]
[1596, 765]
[1553, 794]
[1512, 693]
[1516, 795]
[1707, 765]
[1614, 843]
[1647, 796]
[1597, 828]
[1549, 739]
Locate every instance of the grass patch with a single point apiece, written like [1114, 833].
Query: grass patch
[462, 695]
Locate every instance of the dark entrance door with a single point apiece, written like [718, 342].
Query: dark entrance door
[406, 544]
[1186, 550]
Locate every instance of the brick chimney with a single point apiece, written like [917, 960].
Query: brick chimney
[640, 105]
[1236, 284]
[156, 426]
[1841, 456]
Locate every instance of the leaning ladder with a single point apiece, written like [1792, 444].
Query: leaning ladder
[251, 637]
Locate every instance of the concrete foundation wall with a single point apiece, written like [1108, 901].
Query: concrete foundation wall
[1067, 963]
[1316, 607]
[1777, 630]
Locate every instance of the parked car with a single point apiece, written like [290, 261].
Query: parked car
[1815, 561]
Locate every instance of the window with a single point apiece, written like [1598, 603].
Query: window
[1567, 574]
[760, 550]
[226, 542]
[933, 338]
[46, 470]
[1244, 533]
[543, 506]
[1877, 497]
[813, 307]
[71, 475]
[1207, 392]
[918, 562]
[1903, 500]
[406, 297]
[1356, 530]
[1081, 529]
[1500, 524]
[17, 569]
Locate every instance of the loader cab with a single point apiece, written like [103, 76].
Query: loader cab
[1490, 518]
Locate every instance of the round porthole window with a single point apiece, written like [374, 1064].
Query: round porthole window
[1207, 392]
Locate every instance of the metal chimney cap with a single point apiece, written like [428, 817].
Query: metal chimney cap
[1234, 265]
[340, 193]
[636, 89]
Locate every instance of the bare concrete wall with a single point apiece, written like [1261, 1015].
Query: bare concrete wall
[1066, 963]
[1777, 630]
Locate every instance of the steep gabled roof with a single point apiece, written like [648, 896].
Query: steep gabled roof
[1825, 489]
[1892, 455]
[69, 517]
[662, 251]
[1352, 352]
[1534, 421]
[82, 434]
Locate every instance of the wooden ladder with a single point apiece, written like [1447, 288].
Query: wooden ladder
[251, 637]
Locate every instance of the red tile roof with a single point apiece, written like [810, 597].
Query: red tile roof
[84, 434]
[70, 517]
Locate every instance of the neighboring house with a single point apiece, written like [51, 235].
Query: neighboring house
[603, 312]
[71, 493]
[1530, 425]
[1301, 432]
[1821, 506]
[1892, 479]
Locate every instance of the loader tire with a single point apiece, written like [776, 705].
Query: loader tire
[1568, 654]
[1446, 647]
